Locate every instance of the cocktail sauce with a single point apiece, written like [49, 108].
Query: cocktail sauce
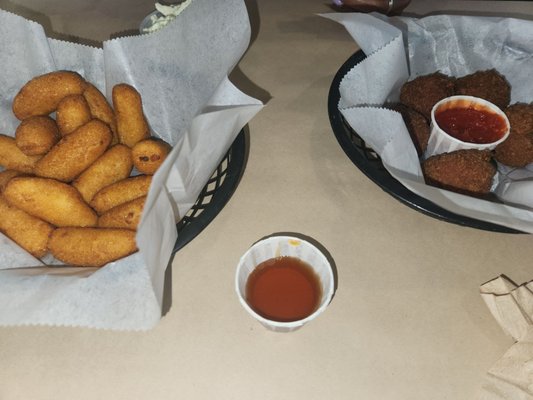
[471, 125]
[283, 289]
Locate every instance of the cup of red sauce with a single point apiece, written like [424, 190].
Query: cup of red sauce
[284, 282]
[466, 122]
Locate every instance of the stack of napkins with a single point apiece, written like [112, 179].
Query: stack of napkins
[511, 377]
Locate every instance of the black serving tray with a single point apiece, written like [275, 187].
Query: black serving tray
[370, 164]
[215, 193]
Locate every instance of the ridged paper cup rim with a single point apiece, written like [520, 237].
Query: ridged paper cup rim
[277, 246]
[467, 101]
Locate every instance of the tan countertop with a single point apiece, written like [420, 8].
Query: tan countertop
[407, 320]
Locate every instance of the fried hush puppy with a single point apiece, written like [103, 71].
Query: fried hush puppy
[126, 215]
[75, 152]
[423, 92]
[11, 157]
[464, 171]
[72, 112]
[489, 85]
[27, 231]
[36, 135]
[121, 192]
[42, 94]
[132, 126]
[520, 116]
[112, 166]
[5, 177]
[516, 151]
[52, 201]
[91, 247]
[149, 154]
[101, 109]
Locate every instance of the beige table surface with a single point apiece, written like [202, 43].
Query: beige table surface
[407, 321]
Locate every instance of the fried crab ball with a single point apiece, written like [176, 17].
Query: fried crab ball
[423, 92]
[489, 85]
[417, 126]
[464, 171]
[520, 117]
[516, 151]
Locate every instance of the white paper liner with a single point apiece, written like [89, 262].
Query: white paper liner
[455, 45]
[181, 72]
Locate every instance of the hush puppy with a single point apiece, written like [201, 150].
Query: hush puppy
[52, 201]
[489, 85]
[75, 152]
[72, 112]
[149, 154]
[464, 171]
[132, 126]
[121, 192]
[114, 165]
[11, 157]
[101, 109]
[91, 247]
[126, 215]
[42, 94]
[36, 135]
[27, 231]
[423, 92]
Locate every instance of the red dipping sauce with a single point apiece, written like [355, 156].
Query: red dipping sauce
[480, 126]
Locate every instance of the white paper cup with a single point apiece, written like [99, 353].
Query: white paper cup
[441, 142]
[278, 246]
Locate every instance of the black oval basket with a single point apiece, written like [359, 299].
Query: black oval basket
[370, 164]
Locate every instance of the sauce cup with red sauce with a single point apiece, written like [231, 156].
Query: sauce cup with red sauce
[466, 122]
[284, 282]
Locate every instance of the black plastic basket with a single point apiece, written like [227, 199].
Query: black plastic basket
[370, 163]
[215, 193]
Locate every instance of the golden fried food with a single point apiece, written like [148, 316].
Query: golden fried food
[11, 157]
[423, 92]
[121, 192]
[101, 109]
[52, 201]
[5, 177]
[72, 112]
[42, 94]
[520, 116]
[126, 215]
[91, 247]
[516, 151]
[489, 85]
[149, 154]
[132, 126]
[28, 232]
[36, 135]
[75, 152]
[112, 166]
[465, 171]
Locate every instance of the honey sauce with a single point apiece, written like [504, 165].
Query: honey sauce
[283, 289]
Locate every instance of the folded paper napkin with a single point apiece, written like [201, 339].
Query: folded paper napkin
[511, 377]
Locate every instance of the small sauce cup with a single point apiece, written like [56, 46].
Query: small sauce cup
[284, 246]
[466, 122]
